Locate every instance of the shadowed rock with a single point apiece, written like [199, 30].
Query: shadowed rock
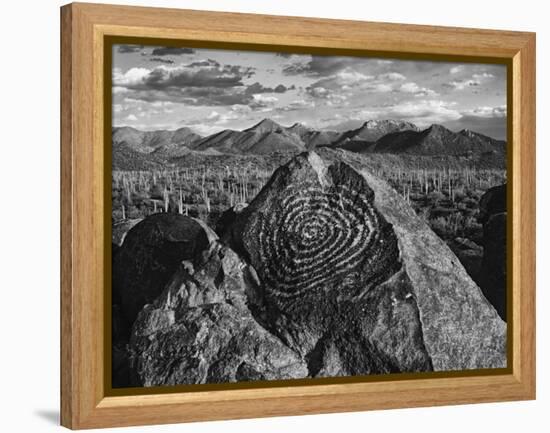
[470, 255]
[149, 256]
[354, 281]
[121, 229]
[493, 268]
[199, 330]
[227, 218]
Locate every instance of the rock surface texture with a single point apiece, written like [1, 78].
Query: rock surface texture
[200, 330]
[354, 281]
[327, 272]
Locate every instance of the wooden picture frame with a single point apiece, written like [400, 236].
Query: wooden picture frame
[85, 398]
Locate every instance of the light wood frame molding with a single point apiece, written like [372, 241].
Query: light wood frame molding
[84, 403]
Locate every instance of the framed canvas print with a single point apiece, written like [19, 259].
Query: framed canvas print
[266, 215]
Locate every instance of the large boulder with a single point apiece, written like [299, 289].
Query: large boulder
[353, 281]
[200, 330]
[493, 267]
[470, 255]
[121, 228]
[227, 218]
[493, 202]
[150, 255]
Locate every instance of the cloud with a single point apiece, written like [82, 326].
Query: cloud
[409, 88]
[211, 119]
[391, 76]
[201, 63]
[344, 80]
[159, 60]
[241, 109]
[377, 87]
[139, 108]
[348, 80]
[296, 105]
[171, 51]
[487, 112]
[321, 66]
[131, 77]
[131, 117]
[456, 69]
[117, 90]
[318, 91]
[125, 49]
[424, 112]
[416, 90]
[461, 84]
[213, 116]
[491, 121]
[475, 81]
[482, 76]
[259, 88]
[198, 83]
[190, 76]
[261, 101]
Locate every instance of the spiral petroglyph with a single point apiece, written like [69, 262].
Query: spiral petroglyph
[322, 234]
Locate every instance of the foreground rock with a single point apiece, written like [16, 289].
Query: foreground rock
[200, 330]
[352, 280]
[149, 256]
[121, 229]
[493, 268]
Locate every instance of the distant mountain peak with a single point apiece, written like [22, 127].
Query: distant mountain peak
[469, 133]
[437, 126]
[373, 129]
[438, 140]
[439, 129]
[389, 123]
[300, 129]
[298, 125]
[266, 125]
[184, 129]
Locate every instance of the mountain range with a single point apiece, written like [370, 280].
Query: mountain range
[267, 136]
[153, 141]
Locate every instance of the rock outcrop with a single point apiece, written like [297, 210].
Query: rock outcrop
[149, 256]
[200, 330]
[354, 281]
[121, 229]
[493, 268]
[327, 272]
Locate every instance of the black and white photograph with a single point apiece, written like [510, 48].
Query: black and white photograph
[282, 216]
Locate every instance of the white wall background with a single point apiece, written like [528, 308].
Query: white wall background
[29, 216]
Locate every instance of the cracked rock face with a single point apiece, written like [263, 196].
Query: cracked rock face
[327, 272]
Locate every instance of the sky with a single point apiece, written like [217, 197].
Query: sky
[211, 90]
